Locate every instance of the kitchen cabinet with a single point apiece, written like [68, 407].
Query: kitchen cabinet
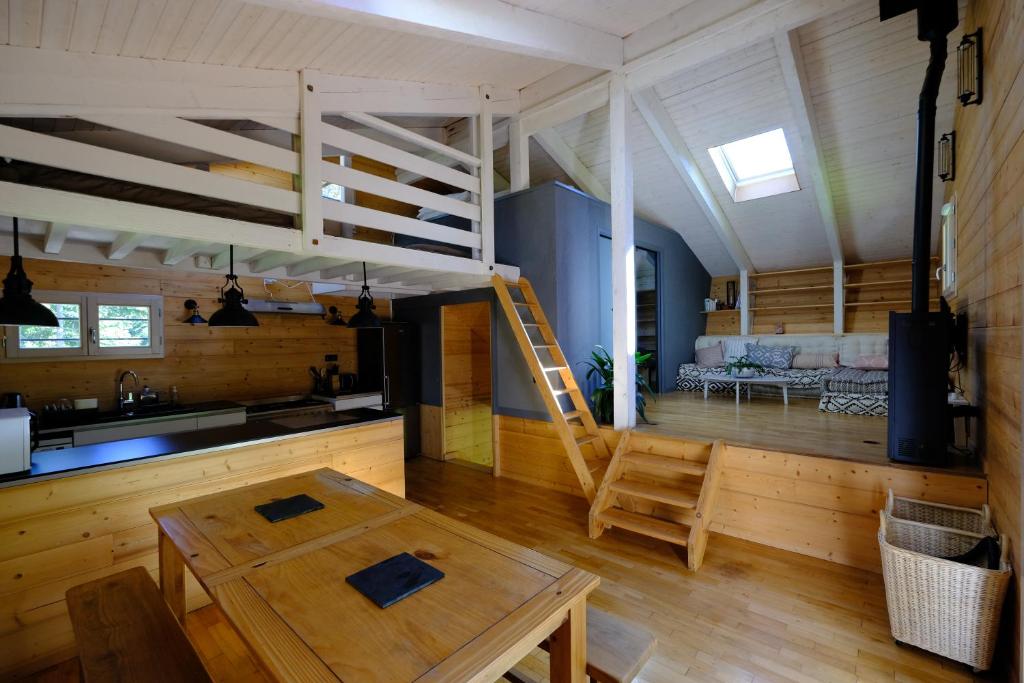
[86, 435]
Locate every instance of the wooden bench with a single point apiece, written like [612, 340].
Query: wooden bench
[126, 632]
[616, 650]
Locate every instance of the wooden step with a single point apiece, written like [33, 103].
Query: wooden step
[662, 462]
[555, 368]
[660, 494]
[545, 346]
[572, 415]
[646, 525]
[589, 438]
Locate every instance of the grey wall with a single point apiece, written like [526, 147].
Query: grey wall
[552, 233]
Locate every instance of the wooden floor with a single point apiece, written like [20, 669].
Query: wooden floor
[752, 614]
[766, 422]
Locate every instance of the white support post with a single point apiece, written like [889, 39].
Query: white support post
[838, 299]
[744, 302]
[623, 265]
[311, 159]
[485, 135]
[518, 156]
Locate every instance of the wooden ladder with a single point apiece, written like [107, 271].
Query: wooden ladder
[660, 490]
[573, 421]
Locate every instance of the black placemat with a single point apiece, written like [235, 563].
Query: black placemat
[394, 579]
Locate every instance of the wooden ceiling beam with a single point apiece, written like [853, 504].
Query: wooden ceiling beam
[787, 45]
[125, 244]
[671, 141]
[557, 148]
[483, 23]
[56, 234]
[181, 250]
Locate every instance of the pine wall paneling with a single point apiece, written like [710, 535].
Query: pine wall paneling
[989, 189]
[466, 373]
[205, 363]
[59, 533]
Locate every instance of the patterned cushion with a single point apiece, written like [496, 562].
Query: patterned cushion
[813, 361]
[771, 356]
[710, 357]
[801, 382]
[854, 403]
[875, 361]
[734, 347]
[856, 381]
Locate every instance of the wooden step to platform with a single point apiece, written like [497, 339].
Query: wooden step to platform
[662, 462]
[678, 534]
[660, 494]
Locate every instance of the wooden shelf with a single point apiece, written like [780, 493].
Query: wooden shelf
[790, 308]
[787, 290]
[876, 283]
[817, 269]
[722, 310]
[877, 264]
[900, 302]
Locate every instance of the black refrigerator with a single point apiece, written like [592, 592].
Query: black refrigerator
[388, 362]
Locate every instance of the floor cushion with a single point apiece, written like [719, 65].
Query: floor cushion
[857, 381]
[854, 403]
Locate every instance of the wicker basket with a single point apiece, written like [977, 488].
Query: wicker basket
[945, 607]
[963, 519]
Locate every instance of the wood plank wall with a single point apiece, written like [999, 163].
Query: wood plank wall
[59, 533]
[466, 377]
[822, 507]
[205, 363]
[989, 187]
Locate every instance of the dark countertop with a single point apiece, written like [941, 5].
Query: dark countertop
[82, 418]
[78, 460]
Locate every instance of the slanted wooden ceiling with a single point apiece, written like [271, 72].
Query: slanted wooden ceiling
[862, 79]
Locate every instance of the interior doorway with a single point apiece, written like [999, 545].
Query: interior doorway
[466, 383]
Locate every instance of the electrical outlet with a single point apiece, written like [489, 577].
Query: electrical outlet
[331, 358]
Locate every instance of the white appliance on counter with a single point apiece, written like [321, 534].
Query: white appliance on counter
[369, 399]
[15, 440]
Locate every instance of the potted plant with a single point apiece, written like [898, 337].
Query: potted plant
[743, 367]
[602, 403]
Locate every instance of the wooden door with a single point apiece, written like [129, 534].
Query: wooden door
[466, 379]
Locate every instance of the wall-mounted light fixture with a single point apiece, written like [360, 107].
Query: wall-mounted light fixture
[334, 317]
[947, 156]
[192, 306]
[970, 59]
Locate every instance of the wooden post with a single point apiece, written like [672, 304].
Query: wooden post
[623, 266]
[486, 138]
[518, 156]
[744, 302]
[568, 647]
[311, 158]
[838, 298]
[172, 576]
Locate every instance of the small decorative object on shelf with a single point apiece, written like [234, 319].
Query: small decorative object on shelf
[947, 156]
[780, 328]
[743, 367]
[970, 59]
[730, 294]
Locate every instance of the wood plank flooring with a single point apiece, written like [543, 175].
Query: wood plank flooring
[765, 422]
[752, 614]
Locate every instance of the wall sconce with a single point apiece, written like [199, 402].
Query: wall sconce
[969, 69]
[193, 308]
[947, 156]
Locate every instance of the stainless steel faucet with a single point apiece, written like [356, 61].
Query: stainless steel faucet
[120, 389]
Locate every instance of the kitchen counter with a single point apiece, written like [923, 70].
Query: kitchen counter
[72, 461]
[81, 420]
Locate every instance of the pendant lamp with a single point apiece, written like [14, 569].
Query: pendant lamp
[17, 307]
[232, 313]
[364, 317]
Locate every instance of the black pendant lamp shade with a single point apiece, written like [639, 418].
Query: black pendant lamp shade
[193, 307]
[365, 317]
[17, 307]
[232, 313]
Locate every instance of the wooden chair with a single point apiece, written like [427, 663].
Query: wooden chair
[616, 650]
[126, 632]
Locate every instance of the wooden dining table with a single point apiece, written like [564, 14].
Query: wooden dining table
[282, 586]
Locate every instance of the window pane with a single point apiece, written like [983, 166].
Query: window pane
[67, 336]
[759, 156]
[123, 326]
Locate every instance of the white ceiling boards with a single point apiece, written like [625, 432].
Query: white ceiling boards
[839, 86]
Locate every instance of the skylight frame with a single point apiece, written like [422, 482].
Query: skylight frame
[766, 184]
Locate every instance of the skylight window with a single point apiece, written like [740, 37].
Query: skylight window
[755, 167]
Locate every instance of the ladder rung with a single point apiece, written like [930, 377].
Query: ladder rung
[531, 324]
[567, 390]
[545, 346]
[554, 368]
[572, 414]
[523, 303]
[589, 438]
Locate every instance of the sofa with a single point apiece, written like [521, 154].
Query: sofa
[839, 389]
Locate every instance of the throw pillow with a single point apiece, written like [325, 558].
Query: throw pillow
[814, 361]
[711, 356]
[734, 347]
[878, 361]
[780, 357]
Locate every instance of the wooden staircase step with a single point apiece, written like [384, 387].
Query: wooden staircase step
[555, 368]
[663, 462]
[646, 525]
[572, 415]
[589, 438]
[660, 494]
[545, 346]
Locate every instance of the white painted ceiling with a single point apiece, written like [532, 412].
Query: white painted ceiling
[864, 77]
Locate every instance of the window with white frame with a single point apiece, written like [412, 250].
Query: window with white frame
[947, 271]
[91, 325]
[756, 167]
